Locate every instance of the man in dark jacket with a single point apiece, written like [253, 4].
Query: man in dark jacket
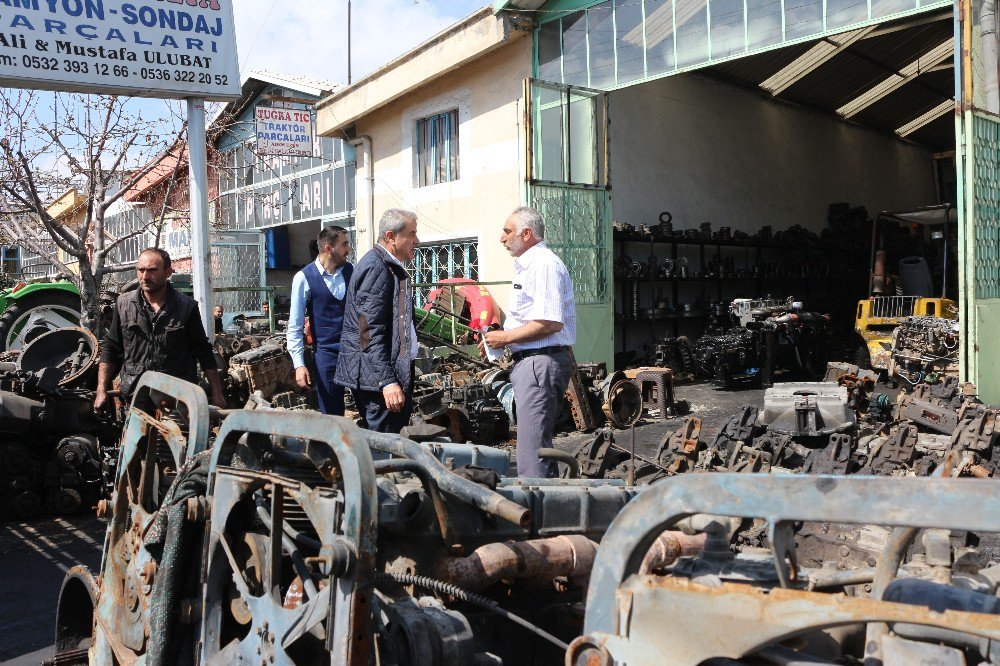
[155, 327]
[379, 340]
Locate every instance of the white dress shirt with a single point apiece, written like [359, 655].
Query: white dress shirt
[542, 289]
[295, 334]
[414, 343]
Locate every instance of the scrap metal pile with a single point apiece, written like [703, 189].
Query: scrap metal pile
[473, 401]
[56, 455]
[258, 369]
[924, 347]
[768, 334]
[831, 427]
[293, 538]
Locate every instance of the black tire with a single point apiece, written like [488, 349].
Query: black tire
[11, 321]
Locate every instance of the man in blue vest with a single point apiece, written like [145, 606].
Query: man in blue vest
[318, 291]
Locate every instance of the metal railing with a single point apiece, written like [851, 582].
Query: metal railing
[887, 307]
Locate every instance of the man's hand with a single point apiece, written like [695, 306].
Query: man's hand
[302, 377]
[496, 339]
[100, 400]
[394, 397]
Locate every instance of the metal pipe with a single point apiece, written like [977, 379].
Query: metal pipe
[366, 141]
[539, 560]
[564, 457]
[201, 245]
[670, 546]
[463, 489]
[421, 472]
[819, 579]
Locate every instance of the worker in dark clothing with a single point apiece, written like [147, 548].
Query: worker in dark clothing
[157, 328]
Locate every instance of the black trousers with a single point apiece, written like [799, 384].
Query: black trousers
[376, 416]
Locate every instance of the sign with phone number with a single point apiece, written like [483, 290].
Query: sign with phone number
[160, 48]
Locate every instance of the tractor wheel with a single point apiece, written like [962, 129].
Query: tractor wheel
[39, 313]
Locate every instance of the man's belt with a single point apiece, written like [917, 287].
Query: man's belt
[548, 351]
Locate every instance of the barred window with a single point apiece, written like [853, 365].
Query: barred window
[434, 262]
[437, 149]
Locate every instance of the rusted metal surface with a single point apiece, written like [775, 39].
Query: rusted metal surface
[533, 563]
[965, 504]
[733, 621]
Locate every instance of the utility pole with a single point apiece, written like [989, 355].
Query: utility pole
[348, 42]
[201, 247]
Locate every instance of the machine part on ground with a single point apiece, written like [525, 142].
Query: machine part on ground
[924, 345]
[56, 454]
[776, 333]
[938, 406]
[466, 404]
[284, 542]
[761, 613]
[266, 368]
[579, 401]
[71, 351]
[860, 383]
[621, 400]
[808, 409]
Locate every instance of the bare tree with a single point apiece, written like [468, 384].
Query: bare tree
[98, 145]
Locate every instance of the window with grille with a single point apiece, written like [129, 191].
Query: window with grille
[436, 262]
[437, 149]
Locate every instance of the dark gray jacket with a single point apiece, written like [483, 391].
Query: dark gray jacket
[375, 342]
[170, 343]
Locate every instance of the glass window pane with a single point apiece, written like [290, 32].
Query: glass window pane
[660, 36]
[803, 18]
[692, 31]
[582, 140]
[547, 148]
[845, 12]
[886, 7]
[453, 146]
[763, 22]
[628, 24]
[549, 49]
[727, 27]
[602, 45]
[441, 148]
[574, 35]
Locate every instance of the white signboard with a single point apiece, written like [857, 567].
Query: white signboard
[150, 48]
[176, 238]
[284, 131]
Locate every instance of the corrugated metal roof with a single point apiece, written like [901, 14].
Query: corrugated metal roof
[859, 68]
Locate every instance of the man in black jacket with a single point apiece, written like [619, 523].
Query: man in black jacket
[155, 327]
[379, 340]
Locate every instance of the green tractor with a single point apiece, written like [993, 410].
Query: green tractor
[29, 310]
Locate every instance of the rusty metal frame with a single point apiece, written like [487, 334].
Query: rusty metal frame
[140, 427]
[614, 597]
[338, 449]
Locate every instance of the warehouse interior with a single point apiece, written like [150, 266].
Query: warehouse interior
[759, 177]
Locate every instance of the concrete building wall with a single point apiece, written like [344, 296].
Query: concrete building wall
[709, 152]
[488, 95]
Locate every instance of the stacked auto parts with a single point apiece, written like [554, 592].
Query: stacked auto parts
[55, 453]
[924, 347]
[295, 537]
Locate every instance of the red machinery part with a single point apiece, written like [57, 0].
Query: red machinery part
[483, 311]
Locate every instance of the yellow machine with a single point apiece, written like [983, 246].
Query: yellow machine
[879, 315]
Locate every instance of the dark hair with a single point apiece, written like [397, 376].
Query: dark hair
[161, 253]
[329, 235]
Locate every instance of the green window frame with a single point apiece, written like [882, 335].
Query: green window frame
[437, 154]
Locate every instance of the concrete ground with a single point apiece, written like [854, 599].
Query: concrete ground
[35, 556]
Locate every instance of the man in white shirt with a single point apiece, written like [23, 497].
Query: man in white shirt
[539, 330]
[319, 291]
